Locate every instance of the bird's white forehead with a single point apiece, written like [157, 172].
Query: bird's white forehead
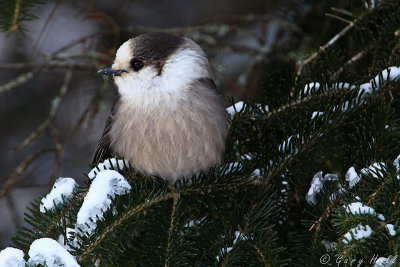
[124, 53]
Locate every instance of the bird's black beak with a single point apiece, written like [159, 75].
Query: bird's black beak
[110, 71]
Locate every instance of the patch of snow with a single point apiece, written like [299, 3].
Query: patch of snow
[65, 243]
[358, 233]
[195, 223]
[352, 177]
[62, 187]
[48, 252]
[108, 164]
[12, 257]
[316, 185]
[384, 262]
[105, 186]
[334, 195]
[391, 73]
[237, 235]
[232, 110]
[308, 88]
[228, 249]
[328, 245]
[285, 146]
[381, 217]
[255, 173]
[390, 228]
[360, 208]
[248, 156]
[396, 163]
[374, 169]
[370, 4]
[231, 166]
[331, 177]
[316, 114]
[365, 89]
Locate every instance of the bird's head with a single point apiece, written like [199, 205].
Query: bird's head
[157, 64]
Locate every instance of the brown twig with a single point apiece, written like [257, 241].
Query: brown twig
[52, 65]
[62, 145]
[85, 113]
[352, 60]
[21, 79]
[322, 49]
[12, 179]
[46, 24]
[171, 229]
[14, 25]
[55, 103]
[11, 208]
[56, 139]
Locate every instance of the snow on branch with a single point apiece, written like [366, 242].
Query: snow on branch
[62, 187]
[108, 164]
[48, 252]
[352, 177]
[391, 230]
[396, 163]
[360, 208]
[105, 186]
[357, 233]
[12, 257]
[365, 89]
[317, 184]
[232, 110]
[375, 170]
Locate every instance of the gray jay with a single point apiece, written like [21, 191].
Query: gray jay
[168, 119]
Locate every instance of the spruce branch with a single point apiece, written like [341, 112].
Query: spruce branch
[129, 214]
[14, 12]
[301, 65]
[360, 55]
[170, 229]
[317, 225]
[308, 144]
[14, 23]
[260, 254]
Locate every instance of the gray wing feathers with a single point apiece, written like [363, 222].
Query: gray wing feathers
[103, 149]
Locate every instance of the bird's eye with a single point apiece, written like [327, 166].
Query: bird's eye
[136, 64]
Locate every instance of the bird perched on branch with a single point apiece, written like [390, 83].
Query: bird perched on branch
[168, 119]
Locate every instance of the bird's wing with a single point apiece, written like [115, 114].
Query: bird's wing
[103, 149]
[208, 83]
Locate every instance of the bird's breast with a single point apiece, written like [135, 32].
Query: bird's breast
[170, 143]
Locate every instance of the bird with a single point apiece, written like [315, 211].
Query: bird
[168, 119]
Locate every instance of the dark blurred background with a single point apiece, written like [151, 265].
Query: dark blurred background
[53, 105]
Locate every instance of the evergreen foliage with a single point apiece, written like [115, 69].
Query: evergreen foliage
[14, 12]
[252, 211]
